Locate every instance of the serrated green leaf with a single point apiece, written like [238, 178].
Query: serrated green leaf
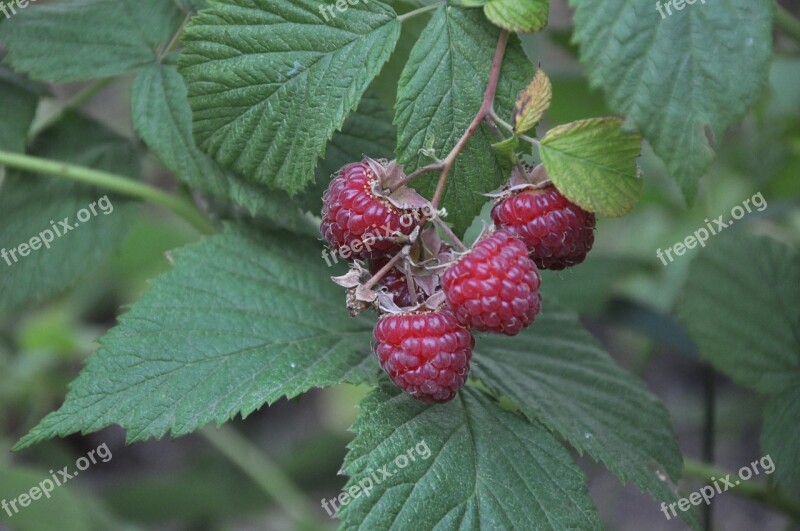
[559, 375]
[593, 163]
[681, 78]
[225, 332]
[486, 468]
[441, 91]
[741, 304]
[516, 15]
[532, 103]
[367, 131]
[85, 39]
[271, 80]
[20, 99]
[62, 510]
[163, 118]
[780, 435]
[28, 204]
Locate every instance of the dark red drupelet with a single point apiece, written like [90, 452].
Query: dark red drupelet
[557, 232]
[495, 287]
[356, 222]
[426, 354]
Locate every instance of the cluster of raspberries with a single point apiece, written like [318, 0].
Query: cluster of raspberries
[423, 338]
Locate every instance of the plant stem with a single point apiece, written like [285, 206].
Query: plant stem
[787, 22]
[421, 10]
[112, 182]
[772, 497]
[76, 102]
[488, 103]
[450, 234]
[382, 272]
[709, 423]
[499, 121]
[264, 473]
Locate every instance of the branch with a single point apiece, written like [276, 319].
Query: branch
[111, 182]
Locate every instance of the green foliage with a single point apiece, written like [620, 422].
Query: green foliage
[487, 468]
[28, 204]
[681, 80]
[514, 15]
[63, 510]
[440, 92]
[741, 305]
[225, 332]
[551, 372]
[593, 163]
[268, 113]
[20, 98]
[73, 41]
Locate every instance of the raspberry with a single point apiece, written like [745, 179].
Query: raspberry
[495, 286]
[426, 354]
[558, 233]
[355, 221]
[395, 281]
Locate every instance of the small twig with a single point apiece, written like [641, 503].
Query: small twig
[488, 103]
[496, 117]
[449, 233]
[437, 166]
[385, 269]
[421, 10]
[75, 103]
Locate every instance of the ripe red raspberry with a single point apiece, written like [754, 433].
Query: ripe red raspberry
[557, 232]
[495, 287]
[395, 282]
[426, 354]
[355, 221]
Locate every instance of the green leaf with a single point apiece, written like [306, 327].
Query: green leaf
[62, 510]
[519, 16]
[367, 131]
[440, 92]
[225, 332]
[79, 40]
[559, 375]
[741, 304]
[681, 80]
[475, 466]
[163, 118]
[780, 435]
[29, 203]
[20, 98]
[271, 80]
[593, 163]
[507, 146]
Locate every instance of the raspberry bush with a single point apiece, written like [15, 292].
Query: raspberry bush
[408, 197]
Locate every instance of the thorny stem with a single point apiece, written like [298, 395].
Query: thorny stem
[488, 103]
[111, 182]
[447, 164]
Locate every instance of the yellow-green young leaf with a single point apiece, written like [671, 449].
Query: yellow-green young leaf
[532, 103]
[593, 163]
[507, 146]
[517, 15]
